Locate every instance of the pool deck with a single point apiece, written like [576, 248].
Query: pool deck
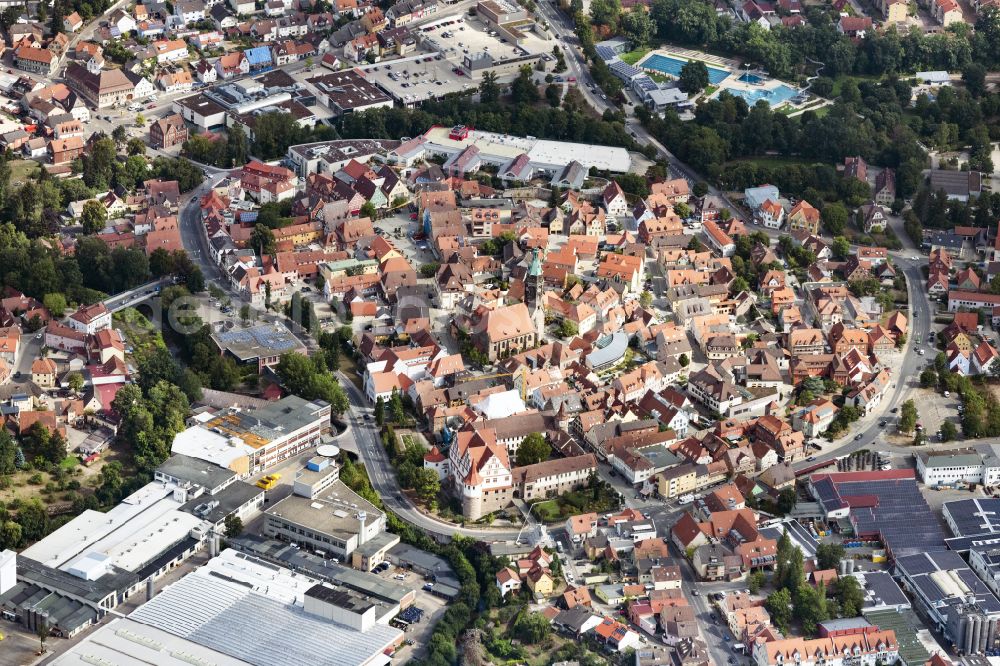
[716, 62]
[688, 54]
[733, 84]
[733, 67]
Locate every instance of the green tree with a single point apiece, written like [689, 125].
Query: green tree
[646, 299]
[11, 535]
[524, 91]
[55, 304]
[301, 376]
[786, 500]
[693, 77]
[426, 484]
[75, 382]
[553, 94]
[908, 416]
[43, 631]
[380, 411]
[233, 526]
[396, 408]
[94, 217]
[829, 555]
[135, 147]
[974, 78]
[489, 91]
[850, 596]
[755, 581]
[948, 431]
[605, 12]
[34, 520]
[531, 628]
[638, 26]
[834, 217]
[9, 16]
[262, 240]
[683, 360]
[928, 378]
[810, 606]
[8, 453]
[368, 210]
[779, 606]
[568, 328]
[120, 135]
[533, 449]
[840, 248]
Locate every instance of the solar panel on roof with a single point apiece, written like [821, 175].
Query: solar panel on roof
[896, 517]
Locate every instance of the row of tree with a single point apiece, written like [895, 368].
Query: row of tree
[795, 598]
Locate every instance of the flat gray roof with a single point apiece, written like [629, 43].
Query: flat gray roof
[226, 615]
[335, 512]
[296, 559]
[125, 642]
[377, 543]
[247, 344]
[215, 508]
[201, 472]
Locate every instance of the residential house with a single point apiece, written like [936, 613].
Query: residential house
[884, 192]
[168, 132]
[803, 217]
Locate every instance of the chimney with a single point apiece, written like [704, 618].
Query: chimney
[150, 590]
[362, 518]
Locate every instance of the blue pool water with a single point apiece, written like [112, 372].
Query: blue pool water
[775, 97]
[672, 66]
[752, 79]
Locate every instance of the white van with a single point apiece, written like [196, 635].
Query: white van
[685, 499]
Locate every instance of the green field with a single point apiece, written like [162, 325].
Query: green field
[20, 170]
[635, 56]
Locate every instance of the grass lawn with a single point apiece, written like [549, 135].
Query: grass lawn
[580, 501]
[841, 80]
[659, 78]
[69, 462]
[773, 161]
[635, 56]
[710, 90]
[547, 511]
[822, 111]
[21, 169]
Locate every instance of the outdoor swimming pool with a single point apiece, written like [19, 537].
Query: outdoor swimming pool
[775, 97]
[752, 79]
[672, 66]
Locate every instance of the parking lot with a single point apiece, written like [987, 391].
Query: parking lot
[19, 647]
[465, 36]
[933, 409]
[417, 79]
[417, 633]
[445, 42]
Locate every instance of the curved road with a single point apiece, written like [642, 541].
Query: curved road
[383, 477]
[905, 379]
